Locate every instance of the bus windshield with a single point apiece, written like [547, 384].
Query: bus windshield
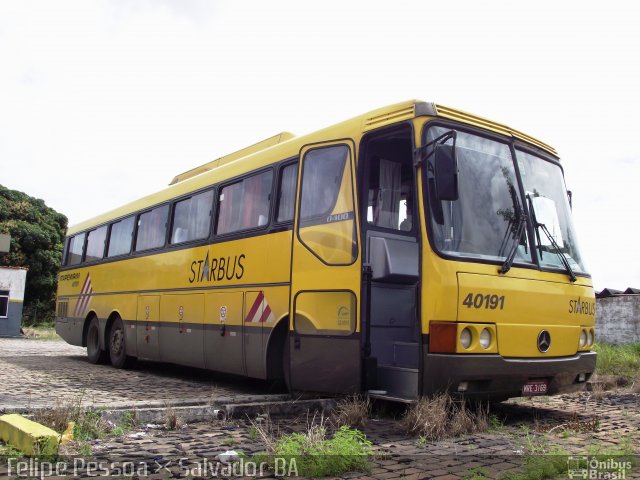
[546, 193]
[485, 222]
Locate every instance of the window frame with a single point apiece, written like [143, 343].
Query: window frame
[7, 296]
[287, 163]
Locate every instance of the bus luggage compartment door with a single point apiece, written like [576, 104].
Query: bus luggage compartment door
[223, 341]
[324, 343]
[181, 329]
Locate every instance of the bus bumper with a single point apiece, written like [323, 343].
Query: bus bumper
[498, 378]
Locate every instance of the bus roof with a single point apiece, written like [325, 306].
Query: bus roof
[286, 145]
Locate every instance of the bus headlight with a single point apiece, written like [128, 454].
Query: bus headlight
[591, 337]
[485, 338]
[465, 337]
[583, 338]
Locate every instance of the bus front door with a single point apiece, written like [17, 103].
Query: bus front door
[324, 339]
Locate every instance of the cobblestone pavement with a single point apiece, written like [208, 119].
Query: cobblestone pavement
[39, 373]
[581, 424]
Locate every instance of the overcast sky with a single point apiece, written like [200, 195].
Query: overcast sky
[102, 102]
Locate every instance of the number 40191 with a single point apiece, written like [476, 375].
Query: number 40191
[487, 301]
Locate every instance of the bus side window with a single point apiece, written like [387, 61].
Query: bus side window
[192, 218]
[287, 193]
[245, 204]
[120, 237]
[76, 245]
[152, 228]
[95, 244]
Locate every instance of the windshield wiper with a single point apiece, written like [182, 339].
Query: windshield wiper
[556, 247]
[522, 221]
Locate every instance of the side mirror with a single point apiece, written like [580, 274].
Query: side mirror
[570, 197]
[446, 172]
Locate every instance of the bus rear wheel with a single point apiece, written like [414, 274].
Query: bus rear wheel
[94, 353]
[118, 346]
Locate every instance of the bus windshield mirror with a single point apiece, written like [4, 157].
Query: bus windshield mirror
[446, 172]
[545, 216]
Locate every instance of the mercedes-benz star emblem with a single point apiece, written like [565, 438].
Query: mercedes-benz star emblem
[544, 341]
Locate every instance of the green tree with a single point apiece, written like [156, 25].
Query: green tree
[37, 237]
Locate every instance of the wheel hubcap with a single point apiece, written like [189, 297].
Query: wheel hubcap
[116, 341]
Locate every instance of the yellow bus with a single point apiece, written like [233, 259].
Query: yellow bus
[413, 249]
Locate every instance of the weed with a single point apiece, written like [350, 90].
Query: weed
[252, 433]
[124, 424]
[352, 411]
[539, 467]
[90, 425]
[477, 473]
[441, 416]
[495, 423]
[7, 450]
[316, 453]
[172, 420]
[624, 448]
[230, 441]
[84, 449]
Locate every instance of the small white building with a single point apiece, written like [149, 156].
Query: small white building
[12, 282]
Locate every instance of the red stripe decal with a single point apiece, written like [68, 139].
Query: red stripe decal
[86, 301]
[254, 307]
[86, 284]
[83, 300]
[266, 313]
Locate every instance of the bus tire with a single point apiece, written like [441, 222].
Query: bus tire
[95, 354]
[286, 365]
[118, 345]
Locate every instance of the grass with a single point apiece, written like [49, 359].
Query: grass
[8, 451]
[352, 411]
[540, 467]
[619, 360]
[172, 421]
[87, 424]
[477, 473]
[317, 452]
[441, 416]
[41, 333]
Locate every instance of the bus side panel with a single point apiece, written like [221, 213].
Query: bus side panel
[181, 339]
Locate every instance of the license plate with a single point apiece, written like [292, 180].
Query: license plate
[534, 388]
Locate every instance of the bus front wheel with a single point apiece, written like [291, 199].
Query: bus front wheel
[118, 345]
